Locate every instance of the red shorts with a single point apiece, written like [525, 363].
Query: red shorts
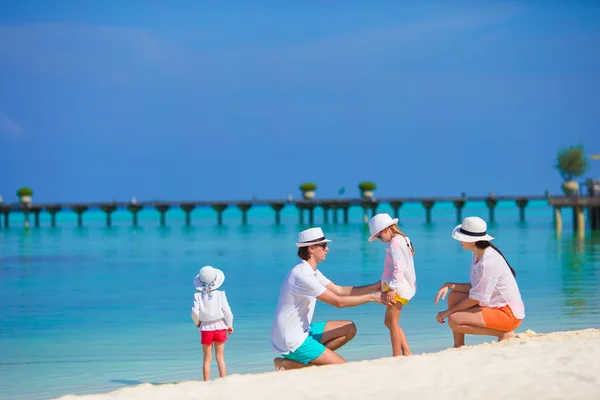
[208, 337]
[501, 318]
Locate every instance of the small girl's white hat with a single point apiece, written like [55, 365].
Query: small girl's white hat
[209, 277]
[472, 229]
[378, 223]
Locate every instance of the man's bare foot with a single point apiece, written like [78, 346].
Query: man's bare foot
[507, 335]
[278, 362]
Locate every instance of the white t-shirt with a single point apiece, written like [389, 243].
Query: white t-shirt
[213, 312]
[493, 284]
[296, 306]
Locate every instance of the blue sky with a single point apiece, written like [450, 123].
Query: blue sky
[183, 100]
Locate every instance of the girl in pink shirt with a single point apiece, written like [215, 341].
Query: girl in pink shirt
[399, 281]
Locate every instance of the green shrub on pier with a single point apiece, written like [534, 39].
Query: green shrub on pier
[367, 186]
[308, 187]
[24, 191]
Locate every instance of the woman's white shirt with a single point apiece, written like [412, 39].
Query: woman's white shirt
[493, 284]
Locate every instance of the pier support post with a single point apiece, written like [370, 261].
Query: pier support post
[52, 210]
[108, 209]
[345, 205]
[306, 205]
[326, 208]
[334, 210]
[187, 209]
[522, 203]
[368, 204]
[36, 210]
[4, 211]
[25, 208]
[219, 208]
[557, 220]
[311, 214]
[300, 208]
[428, 204]
[491, 203]
[579, 221]
[79, 210]
[459, 204]
[396, 207]
[594, 216]
[134, 208]
[277, 207]
[162, 209]
[244, 207]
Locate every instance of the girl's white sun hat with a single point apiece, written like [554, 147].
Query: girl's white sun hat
[209, 278]
[472, 229]
[378, 223]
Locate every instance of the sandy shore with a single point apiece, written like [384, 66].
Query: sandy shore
[561, 365]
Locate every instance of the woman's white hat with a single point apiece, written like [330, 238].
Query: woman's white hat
[378, 223]
[209, 278]
[310, 237]
[472, 229]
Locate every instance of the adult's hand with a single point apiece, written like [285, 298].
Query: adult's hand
[441, 316]
[442, 293]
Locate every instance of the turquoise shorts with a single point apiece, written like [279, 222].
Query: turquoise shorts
[312, 347]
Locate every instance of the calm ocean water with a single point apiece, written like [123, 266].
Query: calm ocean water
[94, 309]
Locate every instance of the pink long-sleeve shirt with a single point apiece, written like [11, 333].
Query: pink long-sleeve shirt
[399, 268]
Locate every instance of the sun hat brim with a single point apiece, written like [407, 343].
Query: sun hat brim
[374, 236]
[461, 237]
[306, 244]
[218, 282]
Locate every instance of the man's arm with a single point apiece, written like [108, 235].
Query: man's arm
[354, 290]
[331, 298]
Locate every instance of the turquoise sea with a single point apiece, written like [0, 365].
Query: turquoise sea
[93, 309]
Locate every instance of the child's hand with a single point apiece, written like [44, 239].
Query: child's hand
[387, 298]
[230, 330]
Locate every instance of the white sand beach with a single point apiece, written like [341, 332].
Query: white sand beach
[561, 365]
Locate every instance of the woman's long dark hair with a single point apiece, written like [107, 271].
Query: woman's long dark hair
[484, 244]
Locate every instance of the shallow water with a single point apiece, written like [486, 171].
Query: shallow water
[95, 309]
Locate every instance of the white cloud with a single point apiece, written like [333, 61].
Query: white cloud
[10, 127]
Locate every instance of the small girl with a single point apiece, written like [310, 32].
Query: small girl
[212, 314]
[399, 281]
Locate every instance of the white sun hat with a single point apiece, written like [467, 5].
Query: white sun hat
[472, 229]
[209, 278]
[378, 223]
[310, 237]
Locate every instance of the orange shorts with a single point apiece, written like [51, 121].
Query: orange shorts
[501, 318]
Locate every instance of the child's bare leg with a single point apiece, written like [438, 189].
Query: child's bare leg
[220, 355]
[207, 350]
[399, 342]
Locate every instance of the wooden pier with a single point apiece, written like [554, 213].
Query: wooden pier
[331, 208]
[578, 205]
